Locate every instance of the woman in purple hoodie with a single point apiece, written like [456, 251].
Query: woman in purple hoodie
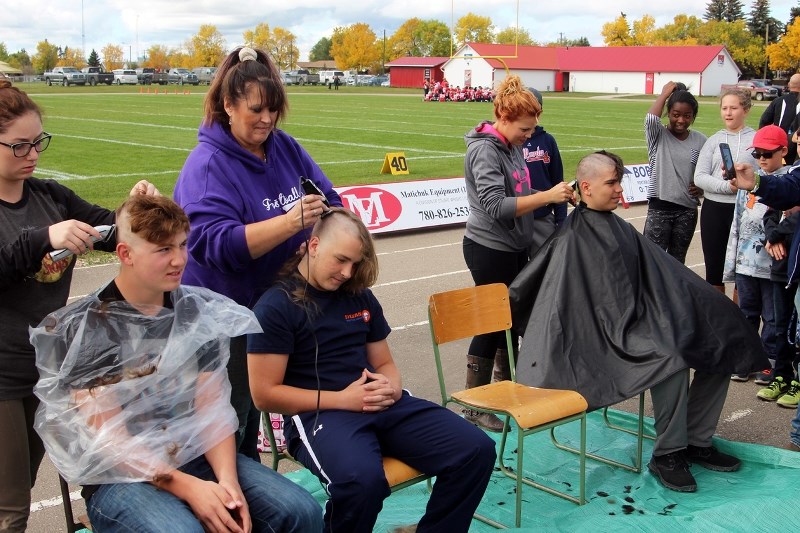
[241, 188]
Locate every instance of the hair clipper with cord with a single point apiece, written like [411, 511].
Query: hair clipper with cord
[574, 185]
[309, 187]
[105, 234]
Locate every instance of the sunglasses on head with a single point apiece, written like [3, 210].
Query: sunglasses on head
[765, 154]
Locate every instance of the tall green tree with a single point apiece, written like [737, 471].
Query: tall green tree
[580, 41]
[724, 10]
[21, 60]
[3, 52]
[761, 24]
[94, 60]
[320, 51]
[433, 37]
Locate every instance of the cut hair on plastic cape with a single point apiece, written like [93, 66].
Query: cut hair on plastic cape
[132, 393]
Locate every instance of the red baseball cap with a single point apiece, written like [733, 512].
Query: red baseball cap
[770, 137]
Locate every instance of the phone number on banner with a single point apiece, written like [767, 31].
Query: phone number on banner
[443, 214]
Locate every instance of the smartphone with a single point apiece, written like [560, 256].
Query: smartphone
[729, 172]
[309, 187]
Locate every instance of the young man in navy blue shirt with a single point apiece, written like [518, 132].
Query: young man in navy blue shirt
[323, 359]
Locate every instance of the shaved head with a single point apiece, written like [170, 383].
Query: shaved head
[597, 163]
[599, 178]
[794, 83]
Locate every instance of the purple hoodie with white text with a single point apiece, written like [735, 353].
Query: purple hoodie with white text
[223, 187]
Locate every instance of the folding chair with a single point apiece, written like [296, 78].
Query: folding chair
[72, 525]
[638, 432]
[463, 313]
[398, 474]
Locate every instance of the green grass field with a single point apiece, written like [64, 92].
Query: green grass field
[105, 139]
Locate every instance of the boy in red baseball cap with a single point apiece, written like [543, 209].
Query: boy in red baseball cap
[747, 261]
[770, 146]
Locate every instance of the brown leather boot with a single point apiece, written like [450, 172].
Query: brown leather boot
[501, 370]
[479, 372]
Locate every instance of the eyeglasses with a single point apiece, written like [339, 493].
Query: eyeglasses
[766, 155]
[23, 149]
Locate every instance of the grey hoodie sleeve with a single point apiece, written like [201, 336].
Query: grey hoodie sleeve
[485, 163]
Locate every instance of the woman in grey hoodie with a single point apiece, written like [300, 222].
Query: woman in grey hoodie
[500, 224]
[720, 194]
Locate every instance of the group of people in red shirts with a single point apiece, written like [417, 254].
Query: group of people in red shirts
[442, 91]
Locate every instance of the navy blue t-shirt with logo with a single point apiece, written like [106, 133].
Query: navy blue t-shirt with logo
[331, 327]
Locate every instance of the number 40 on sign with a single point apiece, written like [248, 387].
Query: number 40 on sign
[395, 162]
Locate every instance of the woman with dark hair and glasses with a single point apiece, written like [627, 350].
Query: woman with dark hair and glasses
[240, 187]
[36, 217]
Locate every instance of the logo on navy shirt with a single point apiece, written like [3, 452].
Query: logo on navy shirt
[536, 155]
[361, 316]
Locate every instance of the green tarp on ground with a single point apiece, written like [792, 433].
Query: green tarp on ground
[764, 495]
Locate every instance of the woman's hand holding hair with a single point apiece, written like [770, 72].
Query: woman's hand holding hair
[146, 188]
[306, 212]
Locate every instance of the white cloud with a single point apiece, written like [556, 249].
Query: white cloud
[141, 24]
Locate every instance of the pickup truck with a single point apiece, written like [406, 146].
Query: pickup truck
[183, 76]
[96, 76]
[65, 76]
[757, 89]
[148, 75]
[301, 77]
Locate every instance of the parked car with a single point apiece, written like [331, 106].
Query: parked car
[326, 76]
[379, 80]
[388, 82]
[183, 76]
[65, 76]
[757, 89]
[302, 77]
[124, 76]
[97, 75]
[205, 74]
[769, 83]
[148, 75]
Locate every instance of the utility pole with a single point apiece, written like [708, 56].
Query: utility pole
[766, 42]
[383, 57]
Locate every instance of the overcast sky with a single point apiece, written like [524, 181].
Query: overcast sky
[138, 24]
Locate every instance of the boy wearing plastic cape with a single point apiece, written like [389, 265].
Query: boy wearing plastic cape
[135, 398]
[608, 313]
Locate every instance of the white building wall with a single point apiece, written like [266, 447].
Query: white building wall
[479, 70]
[692, 81]
[607, 82]
[544, 80]
[718, 73]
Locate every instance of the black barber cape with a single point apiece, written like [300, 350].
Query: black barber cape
[607, 313]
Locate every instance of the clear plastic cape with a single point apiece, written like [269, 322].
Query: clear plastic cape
[131, 393]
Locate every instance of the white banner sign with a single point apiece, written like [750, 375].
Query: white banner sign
[634, 183]
[410, 205]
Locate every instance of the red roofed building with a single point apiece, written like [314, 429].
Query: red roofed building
[412, 71]
[613, 69]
